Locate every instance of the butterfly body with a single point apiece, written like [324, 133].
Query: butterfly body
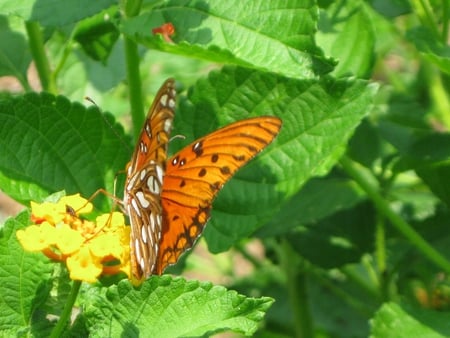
[169, 200]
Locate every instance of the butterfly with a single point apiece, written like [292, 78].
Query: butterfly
[168, 201]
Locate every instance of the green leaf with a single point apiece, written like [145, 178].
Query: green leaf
[431, 48]
[166, 307]
[429, 156]
[318, 119]
[346, 34]
[98, 35]
[15, 56]
[337, 240]
[366, 145]
[54, 13]
[319, 198]
[403, 321]
[391, 9]
[25, 283]
[48, 144]
[266, 35]
[342, 306]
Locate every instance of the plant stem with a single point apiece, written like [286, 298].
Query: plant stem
[424, 11]
[132, 8]
[67, 311]
[36, 42]
[296, 288]
[445, 18]
[134, 85]
[380, 244]
[403, 227]
[438, 94]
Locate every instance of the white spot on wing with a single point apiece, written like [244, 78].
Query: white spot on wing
[153, 185]
[171, 103]
[143, 148]
[135, 207]
[137, 249]
[148, 130]
[159, 173]
[142, 200]
[131, 183]
[150, 237]
[152, 223]
[144, 235]
[163, 100]
[167, 125]
[159, 220]
[143, 173]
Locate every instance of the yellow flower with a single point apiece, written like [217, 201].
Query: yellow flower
[69, 240]
[88, 248]
[83, 265]
[37, 237]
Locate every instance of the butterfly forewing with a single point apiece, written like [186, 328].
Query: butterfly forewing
[144, 182]
[195, 175]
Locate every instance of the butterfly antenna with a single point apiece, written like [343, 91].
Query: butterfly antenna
[87, 98]
[177, 136]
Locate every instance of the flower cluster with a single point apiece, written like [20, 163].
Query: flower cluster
[89, 249]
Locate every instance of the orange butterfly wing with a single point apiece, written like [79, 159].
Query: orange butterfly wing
[195, 175]
[143, 186]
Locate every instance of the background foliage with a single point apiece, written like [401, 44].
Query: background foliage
[348, 209]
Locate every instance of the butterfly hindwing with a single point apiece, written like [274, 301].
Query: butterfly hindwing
[143, 186]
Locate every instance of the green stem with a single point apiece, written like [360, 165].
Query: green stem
[424, 11]
[67, 311]
[64, 55]
[132, 8]
[36, 42]
[296, 288]
[383, 207]
[438, 94]
[445, 19]
[380, 244]
[134, 85]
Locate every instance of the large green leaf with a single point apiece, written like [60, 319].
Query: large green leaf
[53, 12]
[318, 198]
[25, 283]
[432, 49]
[48, 144]
[429, 156]
[346, 34]
[166, 307]
[402, 321]
[14, 53]
[318, 119]
[267, 35]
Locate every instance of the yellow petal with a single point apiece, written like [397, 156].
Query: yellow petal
[68, 240]
[84, 266]
[111, 221]
[50, 212]
[77, 203]
[30, 238]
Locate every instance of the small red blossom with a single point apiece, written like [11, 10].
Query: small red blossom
[166, 30]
